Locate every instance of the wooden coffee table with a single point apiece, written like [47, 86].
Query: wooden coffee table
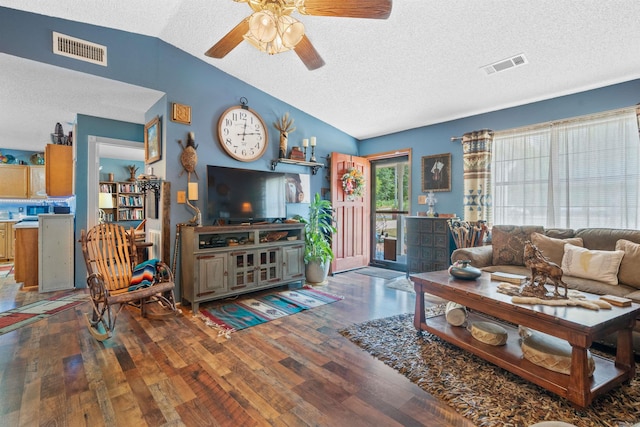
[579, 326]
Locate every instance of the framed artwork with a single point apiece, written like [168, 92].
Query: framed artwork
[297, 188]
[436, 173]
[152, 141]
[181, 113]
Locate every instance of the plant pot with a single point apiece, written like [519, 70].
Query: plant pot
[316, 272]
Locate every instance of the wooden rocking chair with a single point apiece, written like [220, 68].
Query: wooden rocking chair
[110, 255]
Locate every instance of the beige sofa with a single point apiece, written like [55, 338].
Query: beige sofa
[505, 254]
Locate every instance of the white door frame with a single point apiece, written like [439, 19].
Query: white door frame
[93, 170]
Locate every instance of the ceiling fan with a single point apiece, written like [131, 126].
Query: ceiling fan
[272, 29]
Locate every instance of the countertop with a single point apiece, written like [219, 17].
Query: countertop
[9, 220]
[26, 224]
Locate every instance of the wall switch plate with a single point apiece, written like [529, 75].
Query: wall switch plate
[182, 196]
[422, 200]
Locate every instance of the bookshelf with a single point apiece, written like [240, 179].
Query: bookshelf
[127, 201]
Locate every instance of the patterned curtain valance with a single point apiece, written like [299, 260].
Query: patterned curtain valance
[476, 150]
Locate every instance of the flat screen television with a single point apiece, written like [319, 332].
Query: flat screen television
[242, 195]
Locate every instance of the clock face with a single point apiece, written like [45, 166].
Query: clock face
[242, 134]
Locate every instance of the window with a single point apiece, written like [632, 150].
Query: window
[577, 173]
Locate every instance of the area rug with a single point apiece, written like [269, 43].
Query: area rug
[18, 317]
[382, 273]
[480, 391]
[254, 311]
[6, 269]
[401, 284]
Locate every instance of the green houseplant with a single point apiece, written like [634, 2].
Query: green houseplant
[318, 229]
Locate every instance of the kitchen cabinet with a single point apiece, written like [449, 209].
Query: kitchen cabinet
[22, 182]
[7, 241]
[37, 185]
[4, 254]
[26, 259]
[58, 160]
[14, 181]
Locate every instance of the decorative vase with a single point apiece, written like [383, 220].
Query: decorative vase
[282, 153]
[463, 270]
[316, 272]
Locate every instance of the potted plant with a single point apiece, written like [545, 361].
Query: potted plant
[318, 229]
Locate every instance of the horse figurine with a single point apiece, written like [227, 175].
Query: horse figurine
[543, 270]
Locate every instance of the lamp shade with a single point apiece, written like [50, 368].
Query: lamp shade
[262, 26]
[291, 30]
[105, 201]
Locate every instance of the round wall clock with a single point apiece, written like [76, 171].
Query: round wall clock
[242, 133]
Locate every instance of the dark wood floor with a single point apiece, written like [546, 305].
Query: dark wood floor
[295, 371]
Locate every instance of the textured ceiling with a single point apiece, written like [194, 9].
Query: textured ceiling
[421, 66]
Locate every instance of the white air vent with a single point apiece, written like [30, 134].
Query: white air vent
[505, 64]
[79, 49]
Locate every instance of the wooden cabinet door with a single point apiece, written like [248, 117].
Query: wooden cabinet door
[242, 270]
[11, 242]
[37, 185]
[3, 242]
[270, 265]
[211, 277]
[59, 170]
[292, 262]
[14, 181]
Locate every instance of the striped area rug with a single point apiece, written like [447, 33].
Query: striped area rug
[249, 311]
[6, 269]
[18, 317]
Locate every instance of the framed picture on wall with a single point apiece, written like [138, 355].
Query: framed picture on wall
[436, 173]
[297, 188]
[181, 113]
[152, 141]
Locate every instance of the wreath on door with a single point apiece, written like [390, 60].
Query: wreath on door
[353, 183]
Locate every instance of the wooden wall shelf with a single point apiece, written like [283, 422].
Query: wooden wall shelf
[313, 165]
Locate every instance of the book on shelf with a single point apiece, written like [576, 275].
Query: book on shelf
[517, 279]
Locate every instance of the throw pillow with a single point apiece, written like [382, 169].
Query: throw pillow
[508, 242]
[596, 265]
[629, 272]
[552, 248]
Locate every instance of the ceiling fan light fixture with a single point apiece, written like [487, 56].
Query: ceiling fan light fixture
[262, 26]
[273, 33]
[291, 30]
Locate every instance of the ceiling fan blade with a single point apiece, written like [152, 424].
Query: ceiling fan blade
[308, 54]
[229, 41]
[372, 9]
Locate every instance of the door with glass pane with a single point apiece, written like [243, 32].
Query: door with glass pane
[390, 206]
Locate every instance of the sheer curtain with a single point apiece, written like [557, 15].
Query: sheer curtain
[577, 173]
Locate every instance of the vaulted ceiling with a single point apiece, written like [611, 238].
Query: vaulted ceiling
[425, 64]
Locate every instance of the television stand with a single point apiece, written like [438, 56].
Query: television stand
[222, 261]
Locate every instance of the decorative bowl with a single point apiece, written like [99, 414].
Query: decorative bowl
[463, 270]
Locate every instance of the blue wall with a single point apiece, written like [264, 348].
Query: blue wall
[118, 168]
[436, 139]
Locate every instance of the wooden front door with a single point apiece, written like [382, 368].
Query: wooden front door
[351, 243]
